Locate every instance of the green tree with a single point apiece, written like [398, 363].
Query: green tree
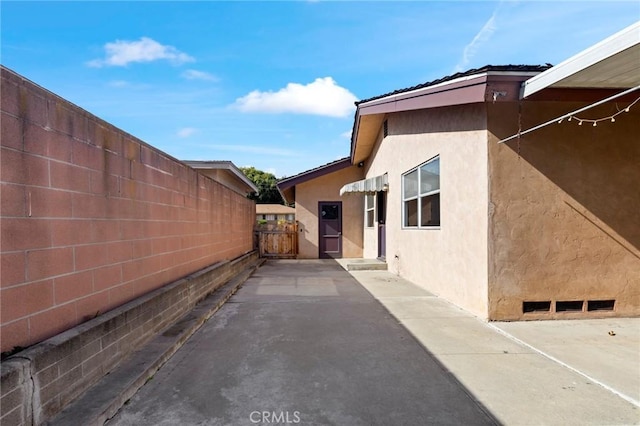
[266, 183]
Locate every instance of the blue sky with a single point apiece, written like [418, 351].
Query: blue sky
[272, 84]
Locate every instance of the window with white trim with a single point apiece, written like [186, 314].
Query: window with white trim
[421, 195]
[369, 215]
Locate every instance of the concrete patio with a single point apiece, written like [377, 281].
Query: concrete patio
[570, 372]
[308, 342]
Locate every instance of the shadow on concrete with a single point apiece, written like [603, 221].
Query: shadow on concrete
[304, 339]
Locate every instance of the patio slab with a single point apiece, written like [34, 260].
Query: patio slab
[525, 373]
[336, 358]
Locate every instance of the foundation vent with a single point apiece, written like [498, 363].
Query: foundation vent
[569, 306]
[600, 305]
[528, 307]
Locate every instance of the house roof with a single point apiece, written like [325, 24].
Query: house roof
[491, 82]
[614, 63]
[607, 71]
[226, 167]
[274, 209]
[474, 71]
[287, 186]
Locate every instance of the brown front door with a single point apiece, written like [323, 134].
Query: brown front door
[330, 229]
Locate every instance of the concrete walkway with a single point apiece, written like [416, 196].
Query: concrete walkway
[304, 342]
[525, 373]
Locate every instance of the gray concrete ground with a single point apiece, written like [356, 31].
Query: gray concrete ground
[525, 373]
[303, 343]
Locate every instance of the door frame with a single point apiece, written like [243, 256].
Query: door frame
[321, 254]
[381, 220]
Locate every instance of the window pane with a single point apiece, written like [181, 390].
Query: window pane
[368, 201]
[411, 213]
[370, 220]
[329, 212]
[410, 182]
[430, 213]
[430, 176]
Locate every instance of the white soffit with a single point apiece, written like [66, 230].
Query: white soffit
[614, 63]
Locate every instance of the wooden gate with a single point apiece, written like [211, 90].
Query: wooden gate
[278, 241]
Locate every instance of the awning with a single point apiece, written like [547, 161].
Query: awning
[373, 184]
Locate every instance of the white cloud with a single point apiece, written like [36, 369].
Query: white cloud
[199, 75]
[185, 132]
[252, 149]
[122, 52]
[481, 37]
[321, 97]
[119, 83]
[346, 135]
[123, 84]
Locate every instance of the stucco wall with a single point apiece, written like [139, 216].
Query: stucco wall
[327, 188]
[450, 261]
[565, 201]
[93, 217]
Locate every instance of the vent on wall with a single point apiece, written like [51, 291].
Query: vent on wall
[536, 306]
[562, 306]
[600, 305]
[385, 129]
[569, 306]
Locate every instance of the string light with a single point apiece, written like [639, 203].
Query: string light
[611, 118]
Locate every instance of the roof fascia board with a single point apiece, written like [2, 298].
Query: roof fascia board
[312, 174]
[471, 93]
[436, 88]
[464, 90]
[608, 47]
[223, 165]
[236, 171]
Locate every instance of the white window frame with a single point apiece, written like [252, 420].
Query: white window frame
[418, 196]
[369, 209]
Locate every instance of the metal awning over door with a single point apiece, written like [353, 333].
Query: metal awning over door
[373, 184]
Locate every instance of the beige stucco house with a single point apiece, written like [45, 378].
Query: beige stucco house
[329, 226]
[511, 191]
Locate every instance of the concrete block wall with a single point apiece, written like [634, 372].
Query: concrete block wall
[39, 382]
[92, 217]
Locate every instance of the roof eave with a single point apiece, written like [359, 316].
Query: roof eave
[286, 186]
[608, 50]
[486, 86]
[224, 165]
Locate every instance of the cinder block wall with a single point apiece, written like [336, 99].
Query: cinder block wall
[92, 217]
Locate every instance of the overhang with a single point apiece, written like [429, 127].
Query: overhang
[241, 183]
[614, 63]
[490, 83]
[372, 184]
[287, 186]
